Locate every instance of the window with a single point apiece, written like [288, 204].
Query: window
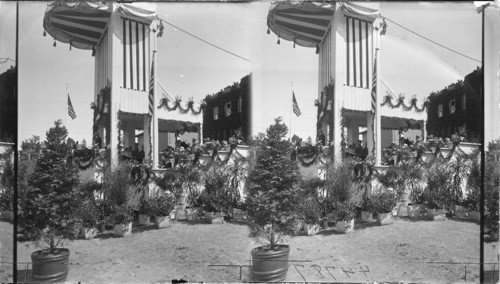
[463, 102]
[216, 113]
[228, 108]
[451, 105]
[240, 103]
[440, 110]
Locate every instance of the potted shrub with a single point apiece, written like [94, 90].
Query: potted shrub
[144, 211]
[345, 214]
[218, 197]
[123, 215]
[311, 211]
[49, 207]
[438, 195]
[383, 202]
[162, 205]
[272, 203]
[366, 209]
[88, 215]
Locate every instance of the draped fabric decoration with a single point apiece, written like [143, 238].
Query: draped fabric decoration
[83, 24]
[164, 103]
[101, 108]
[324, 106]
[135, 54]
[84, 158]
[359, 46]
[304, 23]
[401, 103]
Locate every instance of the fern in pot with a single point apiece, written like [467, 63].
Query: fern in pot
[345, 213]
[161, 205]
[383, 203]
[272, 202]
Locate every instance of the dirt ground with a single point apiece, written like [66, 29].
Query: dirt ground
[410, 251]
[6, 251]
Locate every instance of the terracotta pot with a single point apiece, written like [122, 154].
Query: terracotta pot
[367, 216]
[384, 218]
[270, 265]
[122, 230]
[344, 227]
[162, 222]
[311, 229]
[50, 267]
[460, 211]
[88, 233]
[436, 214]
[214, 217]
[144, 220]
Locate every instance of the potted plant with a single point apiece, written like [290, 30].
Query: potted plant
[144, 211]
[218, 197]
[272, 203]
[366, 209]
[88, 215]
[49, 207]
[383, 202]
[162, 205]
[345, 214]
[311, 211]
[122, 219]
[438, 195]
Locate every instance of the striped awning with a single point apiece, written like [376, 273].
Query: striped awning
[305, 23]
[83, 24]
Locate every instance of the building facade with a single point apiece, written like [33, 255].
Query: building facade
[457, 109]
[228, 112]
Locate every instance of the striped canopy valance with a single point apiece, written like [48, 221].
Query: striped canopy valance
[305, 23]
[83, 24]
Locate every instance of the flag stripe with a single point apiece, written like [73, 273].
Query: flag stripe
[151, 87]
[71, 110]
[296, 108]
[374, 85]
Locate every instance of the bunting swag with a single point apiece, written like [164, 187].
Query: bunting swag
[401, 102]
[84, 158]
[164, 103]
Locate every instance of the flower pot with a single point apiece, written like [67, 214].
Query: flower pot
[366, 216]
[88, 233]
[460, 211]
[270, 265]
[475, 215]
[415, 211]
[162, 222]
[144, 220]
[214, 217]
[436, 214]
[239, 215]
[180, 213]
[192, 214]
[344, 227]
[384, 218]
[50, 267]
[122, 230]
[311, 229]
[402, 210]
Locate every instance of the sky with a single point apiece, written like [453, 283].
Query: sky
[188, 67]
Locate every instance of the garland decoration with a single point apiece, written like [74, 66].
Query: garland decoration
[400, 102]
[323, 111]
[164, 103]
[84, 158]
[101, 110]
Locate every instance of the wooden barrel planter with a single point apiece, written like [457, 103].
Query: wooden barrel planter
[270, 265]
[50, 267]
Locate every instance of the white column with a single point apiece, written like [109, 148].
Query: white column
[115, 64]
[424, 130]
[378, 125]
[369, 133]
[146, 137]
[155, 130]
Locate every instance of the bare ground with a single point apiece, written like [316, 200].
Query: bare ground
[413, 251]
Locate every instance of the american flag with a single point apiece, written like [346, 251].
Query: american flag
[151, 87]
[71, 110]
[296, 108]
[374, 85]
